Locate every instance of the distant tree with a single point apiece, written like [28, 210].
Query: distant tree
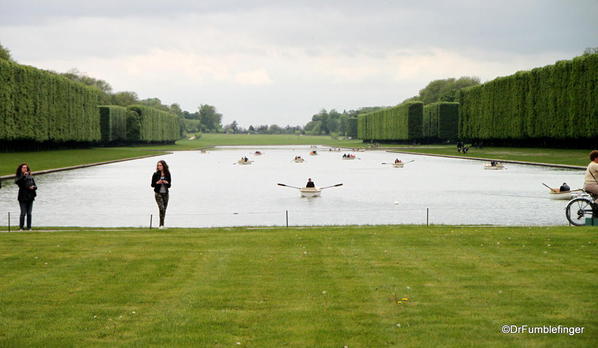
[275, 129]
[176, 109]
[76, 75]
[251, 129]
[263, 129]
[210, 120]
[155, 103]
[590, 50]
[233, 127]
[313, 127]
[5, 53]
[445, 90]
[124, 98]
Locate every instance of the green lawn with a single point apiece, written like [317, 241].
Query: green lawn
[64, 158]
[542, 155]
[207, 140]
[298, 287]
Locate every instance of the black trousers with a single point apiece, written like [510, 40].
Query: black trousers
[26, 207]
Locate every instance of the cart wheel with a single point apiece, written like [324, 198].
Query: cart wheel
[577, 210]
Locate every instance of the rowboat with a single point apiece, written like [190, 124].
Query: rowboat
[310, 192]
[556, 194]
[244, 162]
[298, 160]
[257, 153]
[350, 157]
[398, 165]
[313, 153]
[498, 166]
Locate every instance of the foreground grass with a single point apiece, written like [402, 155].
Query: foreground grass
[41, 160]
[539, 155]
[324, 287]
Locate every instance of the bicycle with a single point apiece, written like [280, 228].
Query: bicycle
[580, 207]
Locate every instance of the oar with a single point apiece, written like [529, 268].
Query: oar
[325, 187]
[550, 188]
[298, 188]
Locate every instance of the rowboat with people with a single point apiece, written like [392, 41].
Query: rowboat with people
[494, 165]
[244, 161]
[313, 153]
[398, 163]
[298, 159]
[349, 156]
[561, 193]
[258, 153]
[310, 190]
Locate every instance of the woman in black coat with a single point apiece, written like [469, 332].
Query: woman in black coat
[161, 182]
[27, 193]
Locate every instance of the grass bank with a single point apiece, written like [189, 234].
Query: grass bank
[538, 155]
[340, 286]
[41, 160]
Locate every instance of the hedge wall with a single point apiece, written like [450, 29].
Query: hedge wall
[113, 123]
[441, 121]
[40, 106]
[402, 122]
[558, 101]
[352, 127]
[146, 124]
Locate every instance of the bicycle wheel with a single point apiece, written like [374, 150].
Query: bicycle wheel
[577, 210]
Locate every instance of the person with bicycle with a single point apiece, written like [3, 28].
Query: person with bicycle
[591, 179]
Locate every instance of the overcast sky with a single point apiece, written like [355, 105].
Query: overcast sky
[274, 61]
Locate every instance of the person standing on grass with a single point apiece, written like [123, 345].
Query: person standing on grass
[591, 179]
[161, 182]
[27, 193]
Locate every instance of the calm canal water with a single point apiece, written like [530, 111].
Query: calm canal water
[210, 189]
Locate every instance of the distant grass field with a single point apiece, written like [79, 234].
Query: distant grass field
[41, 160]
[207, 140]
[539, 155]
[314, 287]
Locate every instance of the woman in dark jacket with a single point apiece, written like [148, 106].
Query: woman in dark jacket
[27, 193]
[161, 182]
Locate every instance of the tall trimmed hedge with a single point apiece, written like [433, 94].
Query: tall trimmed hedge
[40, 106]
[113, 123]
[558, 101]
[148, 125]
[441, 121]
[352, 127]
[402, 122]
